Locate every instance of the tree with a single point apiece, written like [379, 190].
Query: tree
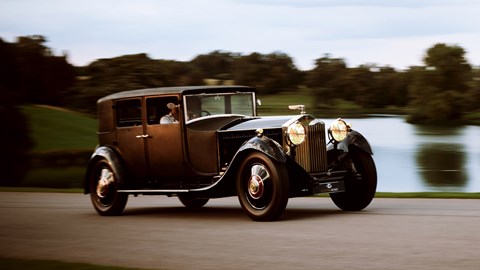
[215, 65]
[440, 90]
[16, 144]
[270, 73]
[329, 79]
[128, 72]
[40, 76]
[15, 140]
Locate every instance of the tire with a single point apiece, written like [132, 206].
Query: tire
[359, 192]
[262, 187]
[190, 201]
[104, 194]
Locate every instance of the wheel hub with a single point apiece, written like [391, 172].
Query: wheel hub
[255, 186]
[106, 178]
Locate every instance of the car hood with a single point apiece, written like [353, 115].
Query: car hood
[261, 122]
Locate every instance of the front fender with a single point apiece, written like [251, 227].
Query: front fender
[265, 145]
[226, 185]
[356, 139]
[108, 154]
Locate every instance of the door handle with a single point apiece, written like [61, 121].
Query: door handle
[142, 136]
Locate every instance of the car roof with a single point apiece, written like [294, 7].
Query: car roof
[185, 90]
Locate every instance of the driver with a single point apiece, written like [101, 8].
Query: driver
[172, 116]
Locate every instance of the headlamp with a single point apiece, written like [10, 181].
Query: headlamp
[339, 130]
[296, 133]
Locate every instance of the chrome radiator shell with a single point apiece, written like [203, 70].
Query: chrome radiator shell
[311, 155]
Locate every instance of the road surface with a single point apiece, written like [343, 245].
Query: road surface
[157, 232]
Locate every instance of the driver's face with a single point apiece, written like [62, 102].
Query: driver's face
[175, 113]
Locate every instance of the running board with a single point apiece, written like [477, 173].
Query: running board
[154, 191]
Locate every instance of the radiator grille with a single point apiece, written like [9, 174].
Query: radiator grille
[312, 154]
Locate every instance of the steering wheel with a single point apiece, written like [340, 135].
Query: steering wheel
[197, 114]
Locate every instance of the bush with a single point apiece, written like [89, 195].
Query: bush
[15, 145]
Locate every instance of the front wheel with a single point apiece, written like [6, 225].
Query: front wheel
[361, 187]
[262, 187]
[104, 194]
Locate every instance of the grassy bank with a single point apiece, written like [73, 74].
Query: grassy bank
[63, 143]
[57, 129]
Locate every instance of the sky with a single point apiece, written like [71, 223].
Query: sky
[379, 32]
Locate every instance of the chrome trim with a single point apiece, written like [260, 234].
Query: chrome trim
[312, 154]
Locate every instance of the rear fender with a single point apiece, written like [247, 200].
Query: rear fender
[108, 154]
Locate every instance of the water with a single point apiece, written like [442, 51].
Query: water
[416, 158]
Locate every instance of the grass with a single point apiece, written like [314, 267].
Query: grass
[24, 264]
[57, 129]
[472, 118]
[278, 104]
[66, 177]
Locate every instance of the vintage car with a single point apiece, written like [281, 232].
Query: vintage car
[216, 146]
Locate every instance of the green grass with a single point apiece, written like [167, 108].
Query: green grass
[278, 104]
[472, 118]
[24, 264]
[66, 177]
[57, 129]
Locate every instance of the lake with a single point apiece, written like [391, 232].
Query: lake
[416, 158]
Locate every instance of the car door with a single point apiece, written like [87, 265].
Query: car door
[164, 143]
[130, 138]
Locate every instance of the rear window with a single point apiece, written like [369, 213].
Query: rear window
[129, 112]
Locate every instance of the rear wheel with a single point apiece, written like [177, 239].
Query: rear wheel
[361, 188]
[262, 187]
[190, 201]
[104, 194]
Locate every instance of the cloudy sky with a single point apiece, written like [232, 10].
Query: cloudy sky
[396, 33]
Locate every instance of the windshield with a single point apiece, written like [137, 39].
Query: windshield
[197, 106]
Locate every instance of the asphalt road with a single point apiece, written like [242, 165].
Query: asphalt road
[157, 232]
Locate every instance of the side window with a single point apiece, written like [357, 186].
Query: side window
[129, 113]
[157, 108]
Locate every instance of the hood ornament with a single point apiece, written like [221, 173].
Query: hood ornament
[299, 107]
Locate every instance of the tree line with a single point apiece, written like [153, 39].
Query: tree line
[444, 88]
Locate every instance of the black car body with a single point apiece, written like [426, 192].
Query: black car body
[219, 147]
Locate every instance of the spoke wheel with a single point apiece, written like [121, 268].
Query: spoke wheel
[361, 187]
[262, 187]
[104, 194]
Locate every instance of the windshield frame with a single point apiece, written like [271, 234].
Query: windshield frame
[196, 100]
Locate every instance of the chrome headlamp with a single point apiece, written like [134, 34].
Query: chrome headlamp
[339, 130]
[296, 133]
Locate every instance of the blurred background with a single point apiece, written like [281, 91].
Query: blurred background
[422, 122]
